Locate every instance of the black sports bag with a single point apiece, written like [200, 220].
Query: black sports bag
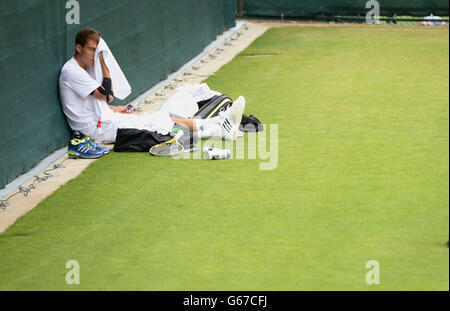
[134, 140]
[212, 107]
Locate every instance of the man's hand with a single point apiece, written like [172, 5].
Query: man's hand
[111, 99]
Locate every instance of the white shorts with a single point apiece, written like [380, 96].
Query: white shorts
[159, 122]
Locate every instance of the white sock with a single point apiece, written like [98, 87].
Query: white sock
[210, 124]
[198, 124]
[203, 124]
[211, 131]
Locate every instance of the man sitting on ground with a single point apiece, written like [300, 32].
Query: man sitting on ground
[85, 102]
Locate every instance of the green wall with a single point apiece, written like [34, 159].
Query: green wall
[149, 38]
[309, 8]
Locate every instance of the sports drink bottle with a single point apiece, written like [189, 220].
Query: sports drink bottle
[98, 136]
[216, 153]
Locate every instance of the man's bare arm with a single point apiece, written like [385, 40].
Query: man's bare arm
[119, 109]
[99, 95]
[105, 70]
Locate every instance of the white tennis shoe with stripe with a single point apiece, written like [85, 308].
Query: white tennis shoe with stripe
[231, 119]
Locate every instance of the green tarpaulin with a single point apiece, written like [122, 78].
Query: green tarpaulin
[310, 8]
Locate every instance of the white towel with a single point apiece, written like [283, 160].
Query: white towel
[183, 104]
[199, 92]
[120, 84]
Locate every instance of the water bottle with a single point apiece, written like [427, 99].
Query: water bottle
[216, 153]
[98, 135]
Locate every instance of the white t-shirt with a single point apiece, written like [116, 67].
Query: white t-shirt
[83, 111]
[75, 86]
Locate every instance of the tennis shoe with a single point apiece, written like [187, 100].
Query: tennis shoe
[231, 119]
[79, 136]
[241, 102]
[96, 146]
[81, 149]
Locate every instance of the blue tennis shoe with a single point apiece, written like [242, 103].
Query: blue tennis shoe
[81, 149]
[95, 146]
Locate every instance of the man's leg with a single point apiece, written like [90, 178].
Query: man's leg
[225, 125]
[197, 125]
[201, 128]
[189, 123]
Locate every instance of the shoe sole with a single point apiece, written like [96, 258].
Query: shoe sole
[238, 110]
[73, 155]
[233, 121]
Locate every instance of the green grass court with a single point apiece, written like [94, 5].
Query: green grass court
[363, 169]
